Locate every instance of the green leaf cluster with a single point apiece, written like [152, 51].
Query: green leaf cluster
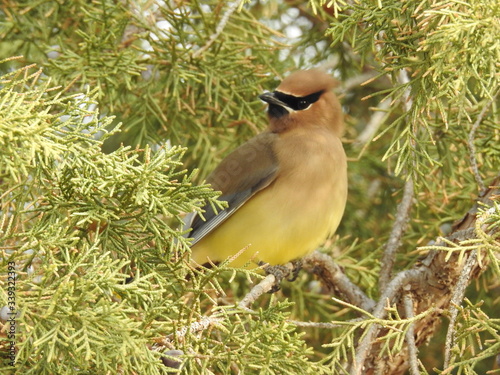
[79, 225]
[155, 67]
[442, 58]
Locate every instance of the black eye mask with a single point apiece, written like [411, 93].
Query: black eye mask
[298, 103]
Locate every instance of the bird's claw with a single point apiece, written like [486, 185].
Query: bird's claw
[297, 266]
[282, 271]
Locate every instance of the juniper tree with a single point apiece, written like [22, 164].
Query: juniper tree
[111, 115]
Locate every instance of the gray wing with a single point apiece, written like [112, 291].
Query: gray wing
[244, 172]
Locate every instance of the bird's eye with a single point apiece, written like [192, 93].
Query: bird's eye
[297, 103]
[302, 104]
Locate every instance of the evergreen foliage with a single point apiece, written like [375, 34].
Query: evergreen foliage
[110, 108]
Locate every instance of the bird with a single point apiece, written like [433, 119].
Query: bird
[286, 188]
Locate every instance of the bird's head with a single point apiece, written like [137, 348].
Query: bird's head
[304, 99]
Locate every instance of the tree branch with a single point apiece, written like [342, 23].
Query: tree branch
[376, 120]
[261, 288]
[364, 347]
[472, 147]
[335, 279]
[410, 335]
[219, 29]
[397, 232]
[456, 301]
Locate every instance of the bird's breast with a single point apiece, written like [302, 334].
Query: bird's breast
[311, 188]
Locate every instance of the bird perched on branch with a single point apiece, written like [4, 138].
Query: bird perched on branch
[286, 188]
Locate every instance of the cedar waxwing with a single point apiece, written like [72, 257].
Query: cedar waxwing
[286, 188]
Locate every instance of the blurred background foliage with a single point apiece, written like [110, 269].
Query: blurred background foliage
[414, 78]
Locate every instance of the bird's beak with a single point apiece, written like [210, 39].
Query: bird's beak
[270, 98]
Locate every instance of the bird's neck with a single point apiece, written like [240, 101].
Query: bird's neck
[283, 125]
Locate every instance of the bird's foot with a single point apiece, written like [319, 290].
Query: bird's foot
[297, 266]
[289, 270]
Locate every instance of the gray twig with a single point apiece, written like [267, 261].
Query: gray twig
[219, 29]
[263, 287]
[410, 335]
[397, 232]
[472, 147]
[456, 301]
[401, 279]
[333, 275]
[403, 208]
[376, 120]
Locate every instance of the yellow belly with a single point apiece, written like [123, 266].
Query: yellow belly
[281, 223]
